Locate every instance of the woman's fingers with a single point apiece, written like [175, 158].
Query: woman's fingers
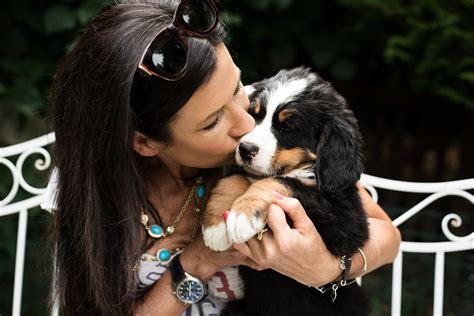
[263, 252]
[295, 211]
[252, 264]
[254, 249]
[278, 242]
[276, 220]
[245, 249]
[281, 231]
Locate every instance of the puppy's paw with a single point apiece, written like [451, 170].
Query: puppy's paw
[215, 237]
[245, 220]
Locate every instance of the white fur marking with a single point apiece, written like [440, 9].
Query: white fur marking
[249, 89]
[241, 228]
[305, 174]
[262, 135]
[215, 237]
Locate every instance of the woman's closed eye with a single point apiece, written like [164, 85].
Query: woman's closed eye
[219, 116]
[239, 89]
[215, 122]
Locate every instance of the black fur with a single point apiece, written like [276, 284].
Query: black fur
[322, 123]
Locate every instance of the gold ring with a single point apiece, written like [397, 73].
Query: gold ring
[260, 233]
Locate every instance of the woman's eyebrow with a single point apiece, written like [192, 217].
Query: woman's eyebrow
[220, 109]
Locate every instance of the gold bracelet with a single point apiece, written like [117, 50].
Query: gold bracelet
[364, 269]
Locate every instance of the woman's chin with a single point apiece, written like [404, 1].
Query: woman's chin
[224, 162]
[228, 161]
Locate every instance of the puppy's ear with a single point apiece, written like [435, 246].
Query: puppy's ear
[254, 89]
[339, 161]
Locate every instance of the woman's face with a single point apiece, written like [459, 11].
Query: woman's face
[207, 129]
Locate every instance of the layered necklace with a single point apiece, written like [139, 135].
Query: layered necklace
[156, 231]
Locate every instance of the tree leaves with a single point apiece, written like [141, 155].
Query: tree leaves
[58, 19]
[421, 46]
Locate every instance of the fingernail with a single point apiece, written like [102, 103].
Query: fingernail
[226, 213]
[278, 195]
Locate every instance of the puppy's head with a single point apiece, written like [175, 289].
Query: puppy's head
[300, 120]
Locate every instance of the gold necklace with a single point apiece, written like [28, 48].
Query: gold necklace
[156, 231]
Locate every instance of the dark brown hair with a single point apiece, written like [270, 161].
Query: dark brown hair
[98, 100]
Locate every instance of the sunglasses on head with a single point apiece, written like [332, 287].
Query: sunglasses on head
[167, 55]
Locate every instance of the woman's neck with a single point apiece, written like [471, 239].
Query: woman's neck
[170, 177]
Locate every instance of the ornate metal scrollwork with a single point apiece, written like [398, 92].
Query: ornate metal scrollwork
[25, 150]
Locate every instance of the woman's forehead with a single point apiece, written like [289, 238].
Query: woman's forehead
[217, 92]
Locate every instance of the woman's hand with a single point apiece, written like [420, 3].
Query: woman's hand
[202, 262]
[301, 254]
[297, 252]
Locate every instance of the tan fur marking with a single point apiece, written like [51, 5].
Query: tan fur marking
[283, 115]
[310, 155]
[223, 195]
[259, 197]
[290, 159]
[257, 106]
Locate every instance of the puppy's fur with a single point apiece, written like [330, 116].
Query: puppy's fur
[306, 144]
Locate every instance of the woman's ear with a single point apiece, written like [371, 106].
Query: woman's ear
[144, 145]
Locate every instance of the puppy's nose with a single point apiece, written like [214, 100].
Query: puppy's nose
[247, 151]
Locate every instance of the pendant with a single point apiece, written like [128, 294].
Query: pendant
[169, 230]
[200, 191]
[144, 219]
[163, 255]
[155, 231]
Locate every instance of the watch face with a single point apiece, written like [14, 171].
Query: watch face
[190, 291]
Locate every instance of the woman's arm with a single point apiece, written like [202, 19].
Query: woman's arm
[160, 300]
[384, 238]
[301, 254]
[197, 260]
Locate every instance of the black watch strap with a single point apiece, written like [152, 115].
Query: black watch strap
[176, 269]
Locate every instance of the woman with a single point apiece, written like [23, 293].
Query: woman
[138, 133]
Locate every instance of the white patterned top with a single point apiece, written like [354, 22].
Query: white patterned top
[226, 285]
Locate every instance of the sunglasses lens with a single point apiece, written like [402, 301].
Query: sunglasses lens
[166, 55]
[199, 15]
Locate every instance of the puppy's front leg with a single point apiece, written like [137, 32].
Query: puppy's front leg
[248, 214]
[214, 228]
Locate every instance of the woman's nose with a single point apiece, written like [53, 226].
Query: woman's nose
[243, 123]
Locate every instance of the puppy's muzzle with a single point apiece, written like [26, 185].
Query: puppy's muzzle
[247, 151]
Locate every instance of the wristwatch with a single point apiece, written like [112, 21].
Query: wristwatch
[187, 288]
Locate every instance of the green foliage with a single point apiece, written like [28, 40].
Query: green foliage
[435, 41]
[425, 47]
[422, 46]
[35, 39]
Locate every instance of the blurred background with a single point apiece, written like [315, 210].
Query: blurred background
[406, 68]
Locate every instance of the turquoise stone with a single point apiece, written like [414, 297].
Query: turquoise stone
[201, 191]
[164, 255]
[156, 231]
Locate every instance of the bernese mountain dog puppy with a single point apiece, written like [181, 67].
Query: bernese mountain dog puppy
[306, 144]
